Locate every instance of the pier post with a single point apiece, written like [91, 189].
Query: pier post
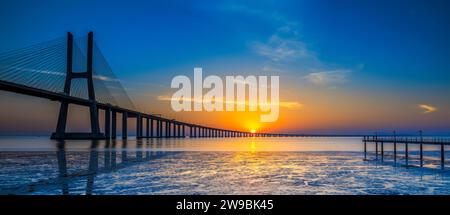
[124, 125]
[365, 148]
[395, 148]
[442, 156]
[184, 131]
[382, 150]
[406, 153]
[421, 149]
[376, 149]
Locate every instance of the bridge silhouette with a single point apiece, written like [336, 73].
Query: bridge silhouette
[66, 71]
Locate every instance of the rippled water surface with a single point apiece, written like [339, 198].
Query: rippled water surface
[37, 165]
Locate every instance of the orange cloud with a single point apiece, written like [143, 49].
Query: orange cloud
[427, 108]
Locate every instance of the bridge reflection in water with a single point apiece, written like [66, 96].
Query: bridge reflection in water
[128, 157]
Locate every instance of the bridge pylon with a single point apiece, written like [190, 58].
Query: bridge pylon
[95, 133]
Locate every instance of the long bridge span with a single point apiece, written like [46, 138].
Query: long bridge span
[62, 70]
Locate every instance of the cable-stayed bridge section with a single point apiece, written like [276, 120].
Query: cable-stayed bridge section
[74, 71]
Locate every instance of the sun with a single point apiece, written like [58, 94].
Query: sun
[253, 131]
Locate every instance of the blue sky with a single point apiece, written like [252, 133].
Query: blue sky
[392, 50]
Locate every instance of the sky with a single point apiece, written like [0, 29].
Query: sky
[347, 67]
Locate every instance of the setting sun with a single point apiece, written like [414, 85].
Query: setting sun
[253, 131]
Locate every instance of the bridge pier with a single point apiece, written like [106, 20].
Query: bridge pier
[139, 126]
[60, 132]
[147, 127]
[184, 131]
[172, 129]
[175, 130]
[124, 125]
[108, 123]
[151, 129]
[114, 124]
[167, 129]
[158, 128]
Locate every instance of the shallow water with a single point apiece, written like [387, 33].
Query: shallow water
[36, 165]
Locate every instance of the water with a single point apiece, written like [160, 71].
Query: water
[36, 165]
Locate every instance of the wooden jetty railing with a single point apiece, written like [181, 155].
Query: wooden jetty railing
[421, 141]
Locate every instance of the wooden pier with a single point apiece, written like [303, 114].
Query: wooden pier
[380, 142]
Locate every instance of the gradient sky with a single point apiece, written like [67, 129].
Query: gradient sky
[350, 67]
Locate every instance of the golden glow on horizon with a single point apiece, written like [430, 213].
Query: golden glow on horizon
[253, 131]
[322, 110]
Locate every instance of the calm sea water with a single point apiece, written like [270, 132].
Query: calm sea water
[37, 165]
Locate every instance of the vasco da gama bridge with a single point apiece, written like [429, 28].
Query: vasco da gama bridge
[66, 71]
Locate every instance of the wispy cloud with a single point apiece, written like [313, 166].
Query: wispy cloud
[426, 108]
[328, 77]
[281, 49]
